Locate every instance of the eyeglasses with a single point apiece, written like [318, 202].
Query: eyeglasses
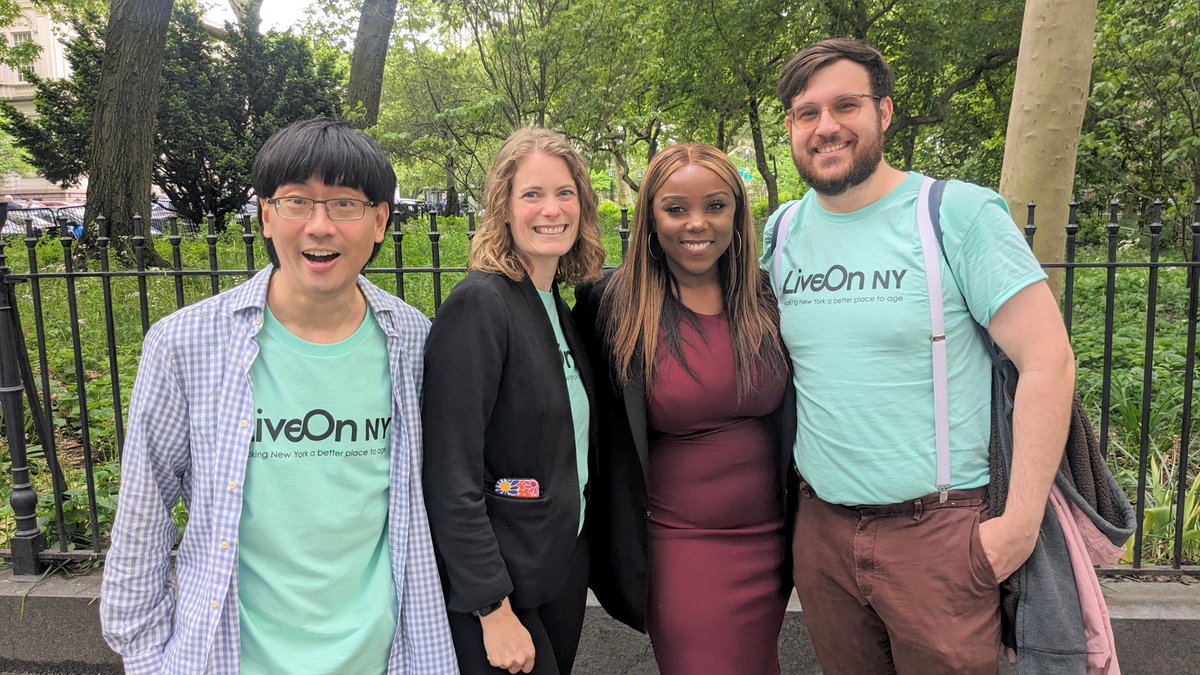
[301, 208]
[843, 109]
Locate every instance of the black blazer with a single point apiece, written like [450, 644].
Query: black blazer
[496, 406]
[618, 504]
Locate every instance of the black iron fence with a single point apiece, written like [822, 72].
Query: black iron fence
[64, 404]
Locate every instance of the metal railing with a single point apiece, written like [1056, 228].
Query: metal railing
[28, 392]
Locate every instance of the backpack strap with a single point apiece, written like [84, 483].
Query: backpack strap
[935, 198]
[778, 240]
[928, 204]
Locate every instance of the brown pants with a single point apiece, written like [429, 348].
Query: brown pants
[902, 588]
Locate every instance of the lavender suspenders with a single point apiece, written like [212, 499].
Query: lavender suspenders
[928, 203]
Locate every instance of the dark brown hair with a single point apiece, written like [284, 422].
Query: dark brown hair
[800, 69]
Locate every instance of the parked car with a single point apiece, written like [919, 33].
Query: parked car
[161, 211]
[250, 208]
[43, 219]
[409, 208]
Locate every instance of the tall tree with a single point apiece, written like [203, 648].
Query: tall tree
[1049, 97]
[123, 122]
[219, 105]
[753, 66]
[435, 113]
[367, 61]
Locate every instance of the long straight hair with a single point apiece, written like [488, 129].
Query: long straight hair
[642, 302]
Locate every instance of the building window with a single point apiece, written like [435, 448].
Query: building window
[16, 39]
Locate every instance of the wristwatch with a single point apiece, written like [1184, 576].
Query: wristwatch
[484, 611]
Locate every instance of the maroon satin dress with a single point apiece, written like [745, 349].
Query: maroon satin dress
[716, 518]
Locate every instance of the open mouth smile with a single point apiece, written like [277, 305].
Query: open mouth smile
[550, 229]
[320, 255]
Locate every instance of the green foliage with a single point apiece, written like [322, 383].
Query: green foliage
[1167, 373]
[1141, 138]
[625, 78]
[436, 116]
[12, 158]
[609, 215]
[1158, 520]
[208, 142]
[219, 104]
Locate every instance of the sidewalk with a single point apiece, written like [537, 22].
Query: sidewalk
[52, 626]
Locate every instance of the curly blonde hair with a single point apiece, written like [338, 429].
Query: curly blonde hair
[493, 249]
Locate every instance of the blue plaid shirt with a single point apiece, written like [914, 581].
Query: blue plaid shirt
[190, 424]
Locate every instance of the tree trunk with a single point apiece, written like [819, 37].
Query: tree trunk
[451, 189]
[908, 145]
[248, 14]
[625, 182]
[1192, 215]
[1049, 97]
[760, 157]
[366, 64]
[124, 121]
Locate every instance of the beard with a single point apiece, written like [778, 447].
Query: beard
[863, 164]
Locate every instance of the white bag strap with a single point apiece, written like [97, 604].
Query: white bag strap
[937, 339]
[782, 226]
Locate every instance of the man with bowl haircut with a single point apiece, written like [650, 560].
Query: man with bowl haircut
[285, 412]
[896, 568]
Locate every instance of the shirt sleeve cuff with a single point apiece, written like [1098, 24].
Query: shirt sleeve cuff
[149, 663]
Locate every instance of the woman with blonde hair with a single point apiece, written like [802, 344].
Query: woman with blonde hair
[688, 522]
[507, 419]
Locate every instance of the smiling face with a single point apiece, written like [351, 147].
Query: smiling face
[693, 219]
[833, 156]
[320, 258]
[543, 214]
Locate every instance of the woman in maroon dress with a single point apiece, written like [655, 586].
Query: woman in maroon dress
[686, 513]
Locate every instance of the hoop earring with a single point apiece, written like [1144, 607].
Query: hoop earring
[652, 240]
[735, 249]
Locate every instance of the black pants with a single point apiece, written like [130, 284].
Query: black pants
[555, 627]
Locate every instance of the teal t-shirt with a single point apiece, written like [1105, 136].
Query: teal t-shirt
[315, 586]
[854, 313]
[580, 408]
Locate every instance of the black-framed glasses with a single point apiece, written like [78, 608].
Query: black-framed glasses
[843, 109]
[301, 208]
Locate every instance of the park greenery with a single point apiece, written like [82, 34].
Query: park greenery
[622, 79]
[71, 416]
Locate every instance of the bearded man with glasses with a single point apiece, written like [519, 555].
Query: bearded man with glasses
[285, 413]
[895, 560]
